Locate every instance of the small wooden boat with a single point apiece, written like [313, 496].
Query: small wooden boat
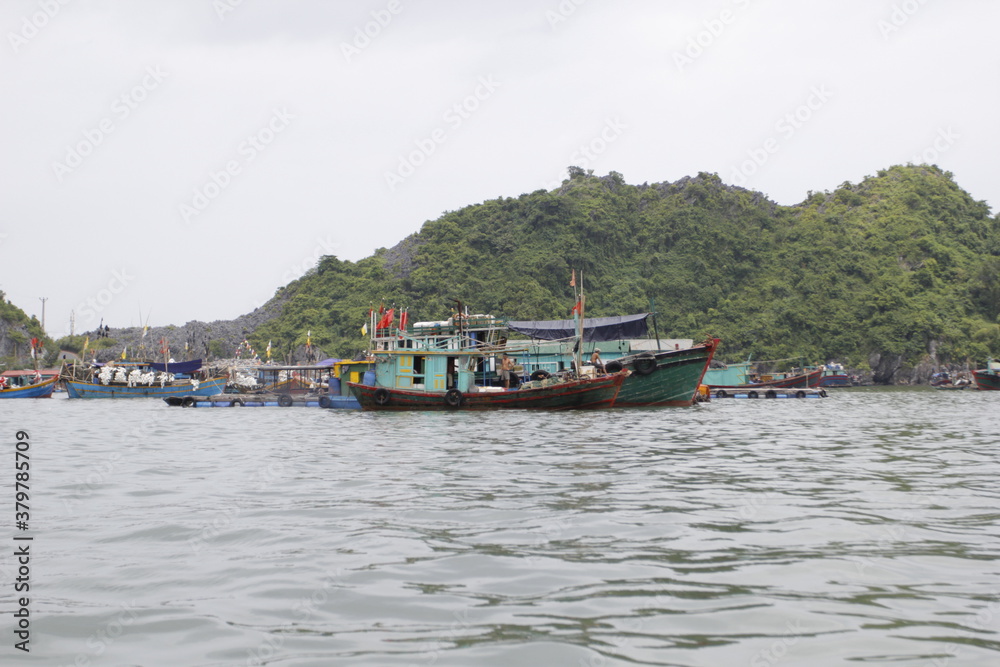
[41, 389]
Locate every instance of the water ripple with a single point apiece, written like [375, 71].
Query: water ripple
[862, 528]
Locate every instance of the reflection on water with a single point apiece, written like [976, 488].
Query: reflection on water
[859, 528]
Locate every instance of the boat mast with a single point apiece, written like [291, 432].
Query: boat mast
[652, 310]
[579, 339]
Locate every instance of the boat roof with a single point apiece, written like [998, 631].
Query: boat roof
[594, 328]
[290, 368]
[41, 371]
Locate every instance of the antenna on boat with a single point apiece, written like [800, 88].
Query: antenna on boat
[652, 311]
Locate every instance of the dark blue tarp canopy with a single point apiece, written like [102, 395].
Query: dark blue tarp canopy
[177, 367]
[594, 328]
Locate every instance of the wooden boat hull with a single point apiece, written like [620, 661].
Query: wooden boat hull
[838, 380]
[806, 381]
[986, 380]
[672, 381]
[41, 390]
[77, 389]
[576, 394]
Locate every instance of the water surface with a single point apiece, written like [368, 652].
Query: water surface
[858, 529]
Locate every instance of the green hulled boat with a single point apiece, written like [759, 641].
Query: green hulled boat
[668, 378]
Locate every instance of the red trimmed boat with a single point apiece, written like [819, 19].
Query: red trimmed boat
[549, 394]
[669, 378]
[41, 389]
[988, 378]
[807, 380]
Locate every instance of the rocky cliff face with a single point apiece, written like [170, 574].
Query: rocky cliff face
[203, 339]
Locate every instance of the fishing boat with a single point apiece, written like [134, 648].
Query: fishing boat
[659, 373]
[452, 364]
[834, 376]
[988, 378]
[140, 379]
[739, 376]
[20, 385]
[445, 380]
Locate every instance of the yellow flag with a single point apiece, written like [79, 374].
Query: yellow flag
[364, 329]
[268, 349]
[124, 350]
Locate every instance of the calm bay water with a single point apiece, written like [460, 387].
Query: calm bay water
[863, 528]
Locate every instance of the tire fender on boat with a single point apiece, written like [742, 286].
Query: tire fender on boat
[381, 396]
[540, 374]
[752, 394]
[325, 402]
[644, 365]
[800, 394]
[453, 397]
[236, 403]
[613, 366]
[285, 400]
[770, 393]
[187, 402]
[721, 393]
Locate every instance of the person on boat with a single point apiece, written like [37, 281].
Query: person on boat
[596, 362]
[507, 371]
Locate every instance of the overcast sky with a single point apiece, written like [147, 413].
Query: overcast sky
[181, 160]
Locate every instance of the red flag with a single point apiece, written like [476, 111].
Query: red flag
[387, 319]
[572, 279]
[578, 308]
[404, 317]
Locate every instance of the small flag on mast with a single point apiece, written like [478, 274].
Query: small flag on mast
[572, 279]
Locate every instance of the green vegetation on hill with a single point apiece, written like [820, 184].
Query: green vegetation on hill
[901, 267]
[16, 332]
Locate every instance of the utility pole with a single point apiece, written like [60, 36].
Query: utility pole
[43, 299]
